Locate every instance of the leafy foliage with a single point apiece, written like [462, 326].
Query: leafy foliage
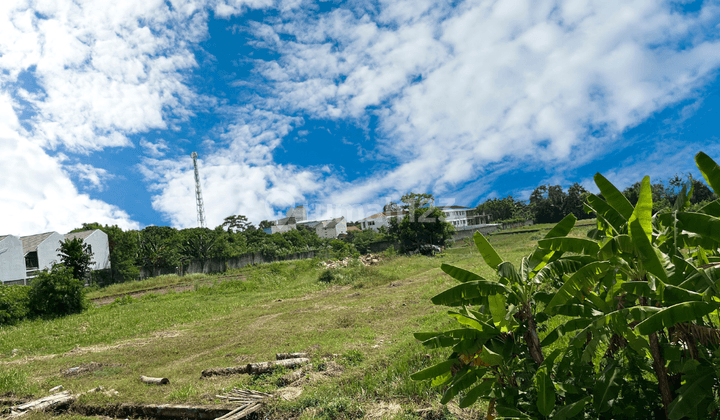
[635, 296]
[55, 293]
[14, 304]
[76, 255]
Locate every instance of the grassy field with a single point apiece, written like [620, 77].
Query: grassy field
[366, 317]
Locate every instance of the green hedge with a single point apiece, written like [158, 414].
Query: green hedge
[14, 304]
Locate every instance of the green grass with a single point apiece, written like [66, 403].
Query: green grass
[364, 314]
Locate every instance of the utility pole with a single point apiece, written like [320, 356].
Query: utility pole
[198, 193]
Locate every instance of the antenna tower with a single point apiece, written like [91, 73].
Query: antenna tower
[198, 193]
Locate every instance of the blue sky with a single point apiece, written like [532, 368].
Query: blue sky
[340, 106]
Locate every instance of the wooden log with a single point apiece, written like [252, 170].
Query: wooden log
[155, 381]
[223, 371]
[283, 356]
[45, 402]
[264, 367]
[246, 411]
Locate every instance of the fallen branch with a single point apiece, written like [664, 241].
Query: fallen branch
[264, 367]
[224, 371]
[283, 356]
[154, 381]
[55, 400]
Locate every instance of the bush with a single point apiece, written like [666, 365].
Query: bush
[14, 304]
[56, 293]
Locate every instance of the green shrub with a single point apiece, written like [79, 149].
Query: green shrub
[328, 276]
[14, 304]
[56, 293]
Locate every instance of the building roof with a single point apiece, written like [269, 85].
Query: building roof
[30, 243]
[453, 207]
[386, 214]
[353, 229]
[81, 235]
[332, 223]
[3, 237]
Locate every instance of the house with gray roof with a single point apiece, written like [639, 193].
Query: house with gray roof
[99, 246]
[40, 251]
[12, 263]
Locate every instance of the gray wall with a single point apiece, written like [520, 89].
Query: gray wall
[217, 265]
[12, 261]
[468, 233]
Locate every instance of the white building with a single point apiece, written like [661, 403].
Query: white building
[99, 246]
[40, 251]
[376, 221]
[331, 229]
[12, 263]
[456, 215]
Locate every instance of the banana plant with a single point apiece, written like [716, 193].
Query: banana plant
[650, 297]
[496, 352]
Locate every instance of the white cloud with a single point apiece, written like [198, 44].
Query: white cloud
[489, 82]
[155, 150]
[96, 177]
[38, 196]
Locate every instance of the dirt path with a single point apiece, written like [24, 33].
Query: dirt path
[106, 300]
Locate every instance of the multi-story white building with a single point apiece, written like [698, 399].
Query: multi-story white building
[456, 215]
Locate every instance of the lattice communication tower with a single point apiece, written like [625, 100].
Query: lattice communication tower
[198, 193]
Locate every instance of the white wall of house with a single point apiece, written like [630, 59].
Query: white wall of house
[47, 251]
[376, 221]
[98, 241]
[12, 261]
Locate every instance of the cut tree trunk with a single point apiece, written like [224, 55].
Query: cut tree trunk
[56, 400]
[283, 356]
[264, 367]
[224, 371]
[154, 381]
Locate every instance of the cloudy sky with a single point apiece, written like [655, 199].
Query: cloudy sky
[340, 105]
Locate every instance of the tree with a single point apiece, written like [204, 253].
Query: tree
[76, 255]
[198, 244]
[415, 201]
[265, 224]
[55, 292]
[422, 226]
[391, 207]
[159, 248]
[237, 223]
[124, 249]
[502, 208]
[574, 202]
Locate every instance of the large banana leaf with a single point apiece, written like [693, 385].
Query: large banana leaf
[584, 279]
[459, 274]
[710, 171]
[477, 324]
[681, 312]
[573, 324]
[606, 388]
[698, 386]
[674, 294]
[614, 197]
[651, 260]
[434, 371]
[556, 269]
[469, 293]
[544, 385]
[461, 382]
[571, 410]
[576, 245]
[606, 212]
[700, 223]
[712, 208]
[620, 244]
[643, 211]
[488, 253]
[482, 390]
[563, 227]
[506, 270]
